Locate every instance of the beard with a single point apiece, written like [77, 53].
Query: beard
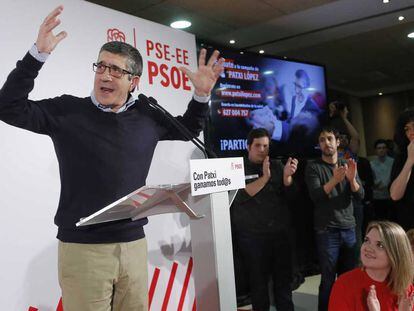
[328, 152]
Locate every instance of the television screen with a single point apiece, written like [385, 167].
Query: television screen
[288, 98]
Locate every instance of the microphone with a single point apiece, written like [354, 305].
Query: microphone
[179, 126]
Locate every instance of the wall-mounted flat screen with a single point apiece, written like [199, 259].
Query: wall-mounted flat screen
[286, 97]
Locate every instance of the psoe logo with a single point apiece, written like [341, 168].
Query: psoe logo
[114, 34]
[236, 166]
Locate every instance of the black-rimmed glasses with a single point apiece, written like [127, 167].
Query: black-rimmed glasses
[299, 86]
[114, 71]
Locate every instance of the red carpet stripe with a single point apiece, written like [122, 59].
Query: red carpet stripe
[185, 285]
[194, 306]
[152, 286]
[169, 287]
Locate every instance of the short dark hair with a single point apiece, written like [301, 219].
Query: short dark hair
[257, 133]
[302, 74]
[133, 57]
[329, 129]
[399, 137]
[339, 105]
[380, 141]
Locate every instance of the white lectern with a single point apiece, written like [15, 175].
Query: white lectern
[210, 235]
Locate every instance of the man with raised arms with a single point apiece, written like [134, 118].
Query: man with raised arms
[104, 144]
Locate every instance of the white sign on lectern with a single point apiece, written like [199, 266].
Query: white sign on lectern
[216, 175]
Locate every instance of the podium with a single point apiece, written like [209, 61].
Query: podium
[210, 235]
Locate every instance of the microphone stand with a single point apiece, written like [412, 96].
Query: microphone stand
[179, 126]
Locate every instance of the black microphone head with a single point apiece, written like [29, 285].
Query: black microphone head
[150, 100]
[143, 97]
[153, 100]
[147, 101]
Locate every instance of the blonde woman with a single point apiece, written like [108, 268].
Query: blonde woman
[384, 282]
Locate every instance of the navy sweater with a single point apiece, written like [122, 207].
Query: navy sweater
[102, 156]
[267, 211]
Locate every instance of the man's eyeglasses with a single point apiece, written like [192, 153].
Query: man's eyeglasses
[299, 86]
[114, 71]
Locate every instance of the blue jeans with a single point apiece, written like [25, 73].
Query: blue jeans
[336, 252]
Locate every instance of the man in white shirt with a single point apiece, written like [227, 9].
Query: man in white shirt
[381, 167]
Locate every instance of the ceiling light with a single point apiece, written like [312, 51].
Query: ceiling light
[385, 1]
[401, 18]
[232, 41]
[268, 72]
[380, 93]
[180, 24]
[411, 35]
[241, 52]
[261, 51]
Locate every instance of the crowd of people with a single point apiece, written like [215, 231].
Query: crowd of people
[361, 210]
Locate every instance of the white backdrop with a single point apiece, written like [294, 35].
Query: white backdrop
[29, 177]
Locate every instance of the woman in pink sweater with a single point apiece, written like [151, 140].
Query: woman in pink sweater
[384, 282]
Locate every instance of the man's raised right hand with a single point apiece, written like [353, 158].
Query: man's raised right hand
[46, 40]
